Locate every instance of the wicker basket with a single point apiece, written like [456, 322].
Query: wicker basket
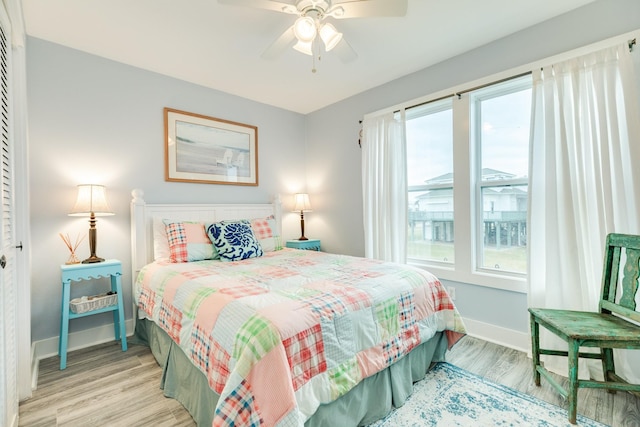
[94, 302]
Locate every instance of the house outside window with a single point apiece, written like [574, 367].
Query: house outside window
[481, 190]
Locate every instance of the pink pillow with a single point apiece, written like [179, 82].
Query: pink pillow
[188, 242]
[266, 232]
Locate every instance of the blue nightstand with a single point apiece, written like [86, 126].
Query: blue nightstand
[311, 244]
[76, 272]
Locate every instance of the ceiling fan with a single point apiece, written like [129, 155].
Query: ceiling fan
[311, 25]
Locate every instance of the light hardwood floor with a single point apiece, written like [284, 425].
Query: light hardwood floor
[513, 369]
[103, 386]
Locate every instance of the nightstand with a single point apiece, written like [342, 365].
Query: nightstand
[111, 268]
[311, 244]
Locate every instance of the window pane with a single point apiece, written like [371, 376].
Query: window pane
[430, 229]
[504, 221]
[504, 128]
[430, 148]
[430, 163]
[505, 135]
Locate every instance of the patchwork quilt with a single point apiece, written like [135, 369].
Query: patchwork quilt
[278, 335]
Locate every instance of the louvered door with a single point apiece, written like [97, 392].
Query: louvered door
[8, 283]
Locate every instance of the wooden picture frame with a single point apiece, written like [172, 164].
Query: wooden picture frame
[209, 150]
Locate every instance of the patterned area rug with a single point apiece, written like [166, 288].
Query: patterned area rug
[459, 398]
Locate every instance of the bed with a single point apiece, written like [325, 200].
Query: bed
[271, 336]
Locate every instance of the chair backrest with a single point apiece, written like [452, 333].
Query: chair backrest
[619, 293]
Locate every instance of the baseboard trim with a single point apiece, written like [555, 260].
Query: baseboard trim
[89, 337]
[510, 338]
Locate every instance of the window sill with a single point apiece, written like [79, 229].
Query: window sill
[480, 278]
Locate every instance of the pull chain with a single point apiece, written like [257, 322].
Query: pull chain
[317, 46]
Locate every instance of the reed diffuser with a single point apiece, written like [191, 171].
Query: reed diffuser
[73, 259]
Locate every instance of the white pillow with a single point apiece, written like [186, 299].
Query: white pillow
[160, 241]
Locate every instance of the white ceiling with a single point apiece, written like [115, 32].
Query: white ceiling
[219, 46]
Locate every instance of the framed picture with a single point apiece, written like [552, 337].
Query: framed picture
[209, 150]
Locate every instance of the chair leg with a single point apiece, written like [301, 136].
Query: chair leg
[535, 349]
[572, 392]
[608, 365]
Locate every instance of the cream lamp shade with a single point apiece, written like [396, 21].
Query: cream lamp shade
[91, 202]
[91, 198]
[302, 203]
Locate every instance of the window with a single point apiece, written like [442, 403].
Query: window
[481, 191]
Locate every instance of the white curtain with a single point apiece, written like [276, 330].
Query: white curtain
[384, 187]
[584, 182]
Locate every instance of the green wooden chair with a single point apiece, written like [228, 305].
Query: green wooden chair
[607, 329]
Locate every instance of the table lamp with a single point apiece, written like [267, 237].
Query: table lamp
[302, 205]
[92, 202]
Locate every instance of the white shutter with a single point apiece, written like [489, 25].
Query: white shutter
[8, 283]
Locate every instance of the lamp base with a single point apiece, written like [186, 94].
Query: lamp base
[92, 259]
[92, 241]
[302, 227]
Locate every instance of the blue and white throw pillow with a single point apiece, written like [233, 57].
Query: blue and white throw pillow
[234, 240]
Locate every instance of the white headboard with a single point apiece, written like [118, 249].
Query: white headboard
[142, 215]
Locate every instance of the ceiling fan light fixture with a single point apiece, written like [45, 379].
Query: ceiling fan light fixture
[304, 47]
[305, 29]
[330, 36]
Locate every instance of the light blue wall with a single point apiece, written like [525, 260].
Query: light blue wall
[334, 163]
[95, 120]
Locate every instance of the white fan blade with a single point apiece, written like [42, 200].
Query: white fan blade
[344, 51]
[367, 8]
[280, 44]
[276, 6]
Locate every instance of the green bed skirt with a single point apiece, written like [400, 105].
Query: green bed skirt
[369, 401]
